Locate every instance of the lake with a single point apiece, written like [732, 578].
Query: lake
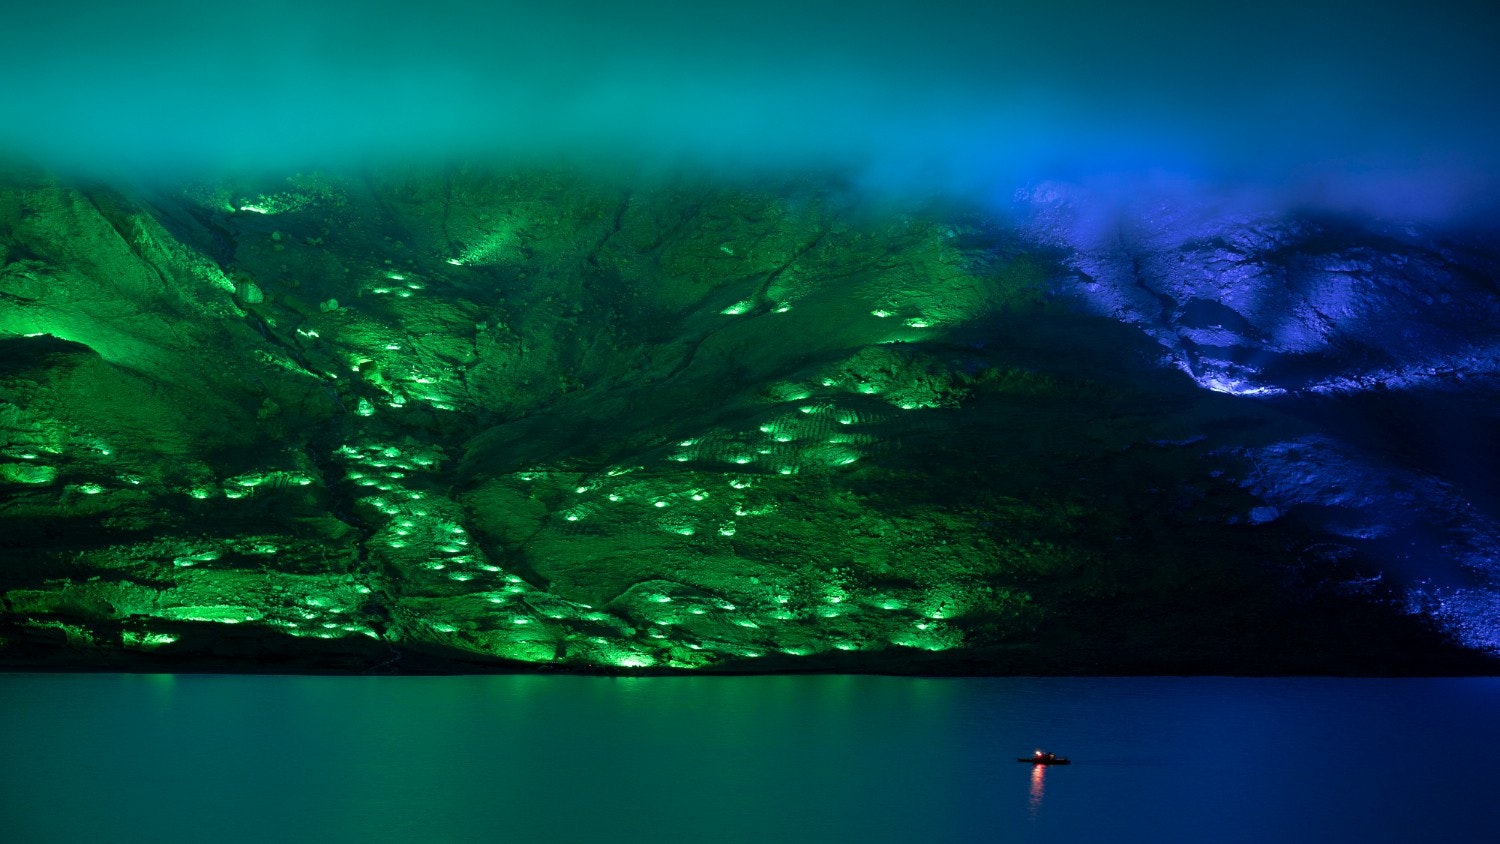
[168, 758]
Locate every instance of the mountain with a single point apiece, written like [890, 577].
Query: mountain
[464, 418]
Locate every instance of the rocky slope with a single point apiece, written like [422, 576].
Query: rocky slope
[461, 419]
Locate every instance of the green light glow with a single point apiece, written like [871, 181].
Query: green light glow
[147, 641]
[598, 430]
[27, 473]
[218, 614]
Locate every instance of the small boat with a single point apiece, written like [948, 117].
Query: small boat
[1043, 758]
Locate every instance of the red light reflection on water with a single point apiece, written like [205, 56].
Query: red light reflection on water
[1038, 788]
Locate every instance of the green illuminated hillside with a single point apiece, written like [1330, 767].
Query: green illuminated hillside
[464, 420]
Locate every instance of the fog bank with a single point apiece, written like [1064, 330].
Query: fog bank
[1377, 108]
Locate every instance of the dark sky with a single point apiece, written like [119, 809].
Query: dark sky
[1392, 105]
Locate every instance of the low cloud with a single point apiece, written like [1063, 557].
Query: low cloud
[1380, 110]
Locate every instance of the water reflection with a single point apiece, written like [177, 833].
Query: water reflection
[1038, 788]
[735, 759]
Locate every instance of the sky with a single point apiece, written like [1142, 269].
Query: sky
[1386, 107]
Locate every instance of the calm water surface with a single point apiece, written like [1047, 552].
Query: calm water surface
[127, 758]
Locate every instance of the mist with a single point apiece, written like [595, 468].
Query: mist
[1386, 109]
